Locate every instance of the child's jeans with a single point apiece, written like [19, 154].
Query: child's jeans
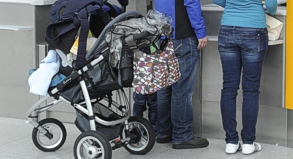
[141, 101]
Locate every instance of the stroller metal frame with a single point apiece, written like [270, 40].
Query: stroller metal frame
[35, 109]
[136, 134]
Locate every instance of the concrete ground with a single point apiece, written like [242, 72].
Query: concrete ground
[16, 143]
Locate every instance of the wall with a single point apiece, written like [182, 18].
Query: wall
[138, 5]
[206, 2]
[18, 48]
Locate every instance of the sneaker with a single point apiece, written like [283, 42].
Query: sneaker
[193, 143]
[248, 149]
[164, 139]
[232, 148]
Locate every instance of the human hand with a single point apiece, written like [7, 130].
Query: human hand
[202, 43]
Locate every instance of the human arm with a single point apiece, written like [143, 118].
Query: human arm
[194, 12]
[271, 6]
[221, 3]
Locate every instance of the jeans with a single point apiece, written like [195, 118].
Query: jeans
[141, 102]
[175, 109]
[242, 50]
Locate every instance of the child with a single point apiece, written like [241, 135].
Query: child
[141, 102]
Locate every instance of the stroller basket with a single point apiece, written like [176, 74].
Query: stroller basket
[100, 80]
[104, 112]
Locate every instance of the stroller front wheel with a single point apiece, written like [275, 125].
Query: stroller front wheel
[92, 144]
[141, 134]
[55, 137]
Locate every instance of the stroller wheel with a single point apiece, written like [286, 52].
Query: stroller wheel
[55, 137]
[141, 134]
[91, 145]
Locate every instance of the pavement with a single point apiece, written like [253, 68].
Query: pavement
[16, 143]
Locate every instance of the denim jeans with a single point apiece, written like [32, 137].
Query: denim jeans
[242, 50]
[175, 109]
[141, 102]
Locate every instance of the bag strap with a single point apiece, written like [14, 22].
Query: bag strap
[81, 52]
[132, 45]
[83, 35]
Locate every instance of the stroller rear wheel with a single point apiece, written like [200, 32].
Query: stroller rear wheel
[54, 138]
[92, 145]
[141, 134]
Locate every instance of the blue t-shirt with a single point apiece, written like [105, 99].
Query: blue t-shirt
[246, 13]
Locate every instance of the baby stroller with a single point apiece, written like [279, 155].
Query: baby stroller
[105, 124]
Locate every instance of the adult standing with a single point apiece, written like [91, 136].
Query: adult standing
[242, 43]
[174, 103]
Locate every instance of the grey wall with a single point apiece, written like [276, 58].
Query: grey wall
[131, 6]
[139, 5]
[206, 1]
[18, 50]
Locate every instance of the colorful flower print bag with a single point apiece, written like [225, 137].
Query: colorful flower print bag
[156, 70]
